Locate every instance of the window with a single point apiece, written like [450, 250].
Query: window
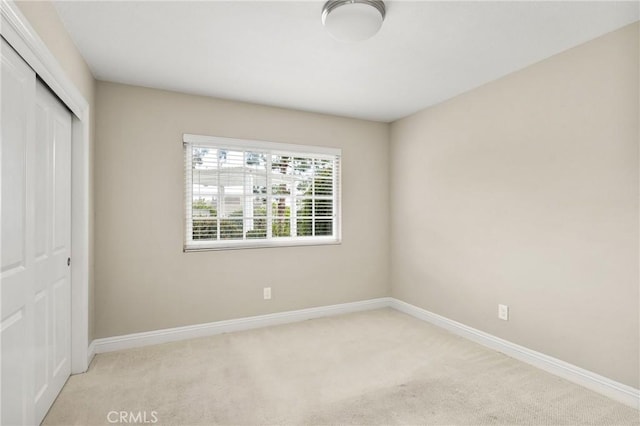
[243, 194]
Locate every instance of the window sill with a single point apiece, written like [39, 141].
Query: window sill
[257, 244]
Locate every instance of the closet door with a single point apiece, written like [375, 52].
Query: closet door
[17, 252]
[36, 234]
[52, 248]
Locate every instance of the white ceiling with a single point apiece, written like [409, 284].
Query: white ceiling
[277, 52]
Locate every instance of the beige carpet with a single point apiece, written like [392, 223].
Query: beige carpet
[376, 367]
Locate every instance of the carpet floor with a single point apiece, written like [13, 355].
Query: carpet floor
[368, 368]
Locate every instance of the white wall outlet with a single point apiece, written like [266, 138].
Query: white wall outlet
[503, 312]
[266, 293]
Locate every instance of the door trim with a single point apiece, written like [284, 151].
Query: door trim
[19, 33]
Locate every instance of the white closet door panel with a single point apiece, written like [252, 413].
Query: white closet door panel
[17, 273]
[53, 327]
[41, 349]
[42, 185]
[17, 407]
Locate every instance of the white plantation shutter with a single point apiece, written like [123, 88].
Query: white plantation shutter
[241, 194]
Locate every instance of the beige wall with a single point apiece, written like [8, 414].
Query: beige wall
[44, 19]
[525, 192]
[143, 279]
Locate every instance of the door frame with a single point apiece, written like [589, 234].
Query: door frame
[19, 33]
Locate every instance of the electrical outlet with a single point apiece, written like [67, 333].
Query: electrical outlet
[503, 312]
[266, 292]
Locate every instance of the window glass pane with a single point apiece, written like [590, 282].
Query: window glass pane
[256, 183]
[323, 177]
[304, 227]
[281, 164]
[231, 206]
[232, 181]
[258, 206]
[304, 207]
[322, 165]
[302, 166]
[303, 187]
[204, 173]
[205, 228]
[256, 160]
[256, 228]
[230, 158]
[205, 194]
[204, 158]
[324, 227]
[281, 186]
[281, 227]
[323, 186]
[323, 207]
[204, 207]
[281, 207]
[231, 229]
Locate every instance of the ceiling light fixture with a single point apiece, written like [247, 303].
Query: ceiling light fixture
[353, 20]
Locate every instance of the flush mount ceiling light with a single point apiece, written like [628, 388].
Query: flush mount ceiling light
[353, 20]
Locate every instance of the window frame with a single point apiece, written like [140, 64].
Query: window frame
[269, 148]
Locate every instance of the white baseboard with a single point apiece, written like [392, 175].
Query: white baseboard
[610, 388]
[135, 340]
[595, 382]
